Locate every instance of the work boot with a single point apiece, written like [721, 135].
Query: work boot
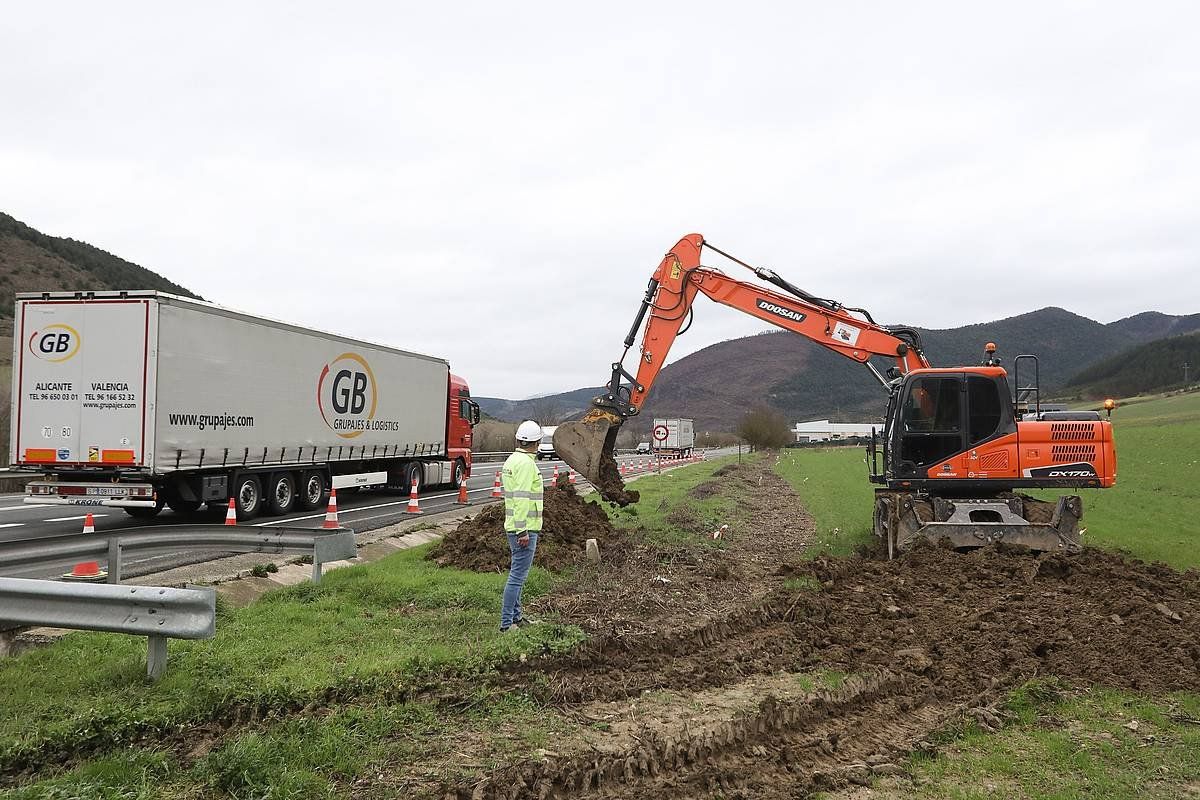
[524, 622]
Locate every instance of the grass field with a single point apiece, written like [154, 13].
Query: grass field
[832, 483]
[1152, 511]
[1061, 744]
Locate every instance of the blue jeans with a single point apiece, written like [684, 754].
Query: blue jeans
[522, 560]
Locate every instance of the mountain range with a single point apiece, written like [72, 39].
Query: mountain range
[716, 385]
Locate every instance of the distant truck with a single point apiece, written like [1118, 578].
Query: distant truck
[673, 437]
[140, 400]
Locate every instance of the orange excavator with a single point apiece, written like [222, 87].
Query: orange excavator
[958, 443]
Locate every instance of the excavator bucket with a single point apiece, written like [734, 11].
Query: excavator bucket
[587, 446]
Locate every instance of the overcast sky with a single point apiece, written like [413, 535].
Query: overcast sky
[494, 182]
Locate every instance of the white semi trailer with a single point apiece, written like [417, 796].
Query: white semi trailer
[141, 399]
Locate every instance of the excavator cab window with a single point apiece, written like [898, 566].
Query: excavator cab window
[932, 422]
[985, 408]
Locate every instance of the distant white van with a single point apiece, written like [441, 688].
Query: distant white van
[546, 446]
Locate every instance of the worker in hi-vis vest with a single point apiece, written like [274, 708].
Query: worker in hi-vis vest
[522, 482]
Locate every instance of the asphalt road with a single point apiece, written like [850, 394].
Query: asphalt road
[361, 510]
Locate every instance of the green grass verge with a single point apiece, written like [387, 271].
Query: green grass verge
[832, 484]
[372, 629]
[353, 750]
[671, 515]
[1068, 746]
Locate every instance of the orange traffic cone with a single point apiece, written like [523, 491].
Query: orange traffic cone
[231, 514]
[463, 500]
[496, 490]
[331, 520]
[413, 506]
[554, 477]
[86, 572]
[623, 470]
[89, 524]
[571, 477]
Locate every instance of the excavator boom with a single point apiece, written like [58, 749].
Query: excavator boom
[588, 444]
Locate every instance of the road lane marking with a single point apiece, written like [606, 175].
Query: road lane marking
[31, 505]
[73, 519]
[11, 524]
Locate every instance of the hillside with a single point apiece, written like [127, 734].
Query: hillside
[1147, 368]
[1155, 325]
[31, 261]
[718, 384]
[547, 409]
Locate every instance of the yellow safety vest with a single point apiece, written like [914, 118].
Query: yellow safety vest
[522, 494]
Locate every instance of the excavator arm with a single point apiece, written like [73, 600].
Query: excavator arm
[587, 445]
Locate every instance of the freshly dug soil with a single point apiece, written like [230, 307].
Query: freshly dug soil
[931, 637]
[568, 521]
[650, 585]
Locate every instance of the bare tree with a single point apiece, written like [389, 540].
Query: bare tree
[547, 411]
[764, 427]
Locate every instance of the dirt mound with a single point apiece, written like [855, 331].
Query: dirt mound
[961, 623]
[568, 521]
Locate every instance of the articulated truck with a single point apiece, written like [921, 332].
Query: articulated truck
[673, 436]
[140, 400]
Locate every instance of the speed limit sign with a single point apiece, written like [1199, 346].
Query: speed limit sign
[660, 433]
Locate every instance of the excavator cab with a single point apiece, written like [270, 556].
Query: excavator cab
[943, 413]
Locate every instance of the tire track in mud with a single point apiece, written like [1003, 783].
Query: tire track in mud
[782, 748]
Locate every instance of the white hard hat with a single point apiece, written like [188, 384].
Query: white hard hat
[529, 431]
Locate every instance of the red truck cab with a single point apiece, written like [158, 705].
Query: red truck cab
[462, 415]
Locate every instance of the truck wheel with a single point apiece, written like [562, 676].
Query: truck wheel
[282, 495]
[247, 497]
[460, 473]
[314, 491]
[413, 473]
[145, 513]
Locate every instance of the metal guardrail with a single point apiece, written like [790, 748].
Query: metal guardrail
[155, 612]
[34, 557]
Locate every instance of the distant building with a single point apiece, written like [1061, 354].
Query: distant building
[824, 430]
